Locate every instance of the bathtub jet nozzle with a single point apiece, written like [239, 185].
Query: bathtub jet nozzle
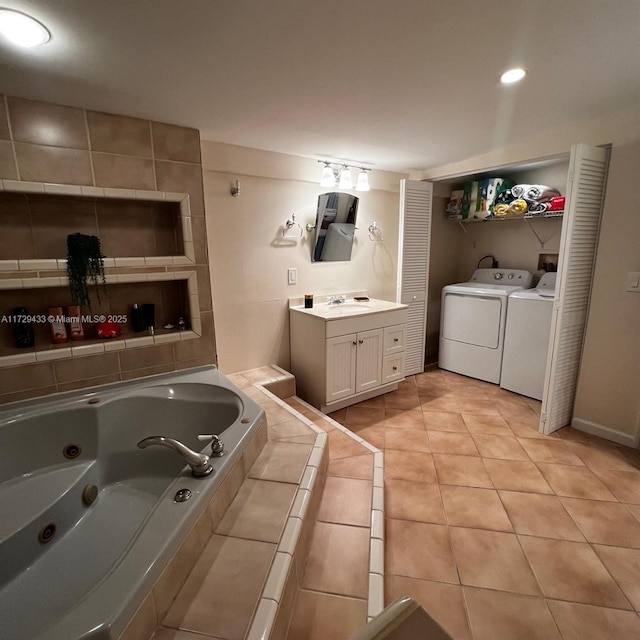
[199, 462]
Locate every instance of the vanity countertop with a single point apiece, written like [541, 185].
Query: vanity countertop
[349, 308]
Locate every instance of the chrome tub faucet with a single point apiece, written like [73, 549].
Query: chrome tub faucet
[199, 462]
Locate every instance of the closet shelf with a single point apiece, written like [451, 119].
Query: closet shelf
[529, 216]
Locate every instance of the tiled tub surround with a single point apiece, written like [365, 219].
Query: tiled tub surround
[238, 574]
[135, 501]
[99, 162]
[293, 429]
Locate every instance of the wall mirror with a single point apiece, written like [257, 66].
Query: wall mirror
[335, 227]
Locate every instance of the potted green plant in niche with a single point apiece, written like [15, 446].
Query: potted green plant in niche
[85, 263]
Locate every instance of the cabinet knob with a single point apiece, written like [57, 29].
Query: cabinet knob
[395, 339]
[395, 368]
[354, 342]
[360, 341]
[414, 297]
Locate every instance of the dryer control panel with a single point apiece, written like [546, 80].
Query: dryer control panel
[515, 277]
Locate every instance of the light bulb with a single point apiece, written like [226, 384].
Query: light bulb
[345, 179]
[513, 75]
[21, 29]
[362, 183]
[328, 178]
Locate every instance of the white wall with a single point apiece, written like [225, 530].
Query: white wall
[608, 392]
[249, 257]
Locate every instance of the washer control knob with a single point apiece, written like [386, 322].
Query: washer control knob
[498, 275]
[511, 276]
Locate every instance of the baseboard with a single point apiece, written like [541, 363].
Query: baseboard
[595, 429]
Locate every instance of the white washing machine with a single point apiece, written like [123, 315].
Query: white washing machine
[526, 340]
[473, 319]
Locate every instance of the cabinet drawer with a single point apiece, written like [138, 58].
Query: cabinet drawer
[394, 339]
[392, 368]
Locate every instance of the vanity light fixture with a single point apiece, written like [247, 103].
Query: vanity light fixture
[513, 75]
[22, 30]
[345, 181]
[339, 175]
[328, 178]
[362, 183]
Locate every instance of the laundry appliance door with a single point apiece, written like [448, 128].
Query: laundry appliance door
[473, 319]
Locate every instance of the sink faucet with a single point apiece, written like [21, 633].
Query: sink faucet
[199, 462]
[337, 299]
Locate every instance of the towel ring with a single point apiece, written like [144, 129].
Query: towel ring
[291, 224]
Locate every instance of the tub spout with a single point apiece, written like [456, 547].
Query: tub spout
[199, 462]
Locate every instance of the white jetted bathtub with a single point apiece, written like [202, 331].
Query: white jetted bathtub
[88, 520]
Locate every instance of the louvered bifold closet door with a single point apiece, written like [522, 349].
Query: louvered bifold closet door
[578, 245]
[413, 267]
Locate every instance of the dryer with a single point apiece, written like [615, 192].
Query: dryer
[473, 319]
[526, 339]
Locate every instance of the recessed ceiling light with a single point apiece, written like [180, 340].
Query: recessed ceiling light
[21, 29]
[513, 75]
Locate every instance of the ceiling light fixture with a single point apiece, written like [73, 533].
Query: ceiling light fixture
[339, 175]
[21, 29]
[513, 75]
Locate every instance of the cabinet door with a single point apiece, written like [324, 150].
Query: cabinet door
[369, 360]
[394, 338]
[413, 267]
[341, 367]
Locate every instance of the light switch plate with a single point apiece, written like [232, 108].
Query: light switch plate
[292, 275]
[633, 281]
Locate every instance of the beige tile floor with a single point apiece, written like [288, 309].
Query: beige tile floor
[497, 530]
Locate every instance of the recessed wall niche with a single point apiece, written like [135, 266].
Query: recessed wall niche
[136, 229]
[36, 226]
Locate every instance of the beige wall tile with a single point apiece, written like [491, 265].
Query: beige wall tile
[48, 124]
[86, 383]
[203, 607]
[338, 560]
[225, 494]
[177, 571]
[119, 134]
[16, 239]
[164, 229]
[126, 236]
[146, 357]
[182, 178]
[30, 376]
[171, 142]
[322, 616]
[143, 623]
[52, 164]
[199, 239]
[50, 231]
[8, 169]
[123, 171]
[281, 462]
[259, 511]
[89, 367]
[199, 348]
[4, 123]
[26, 395]
[147, 371]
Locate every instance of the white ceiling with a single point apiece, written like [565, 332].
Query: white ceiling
[402, 85]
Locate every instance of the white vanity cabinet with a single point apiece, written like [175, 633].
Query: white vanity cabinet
[343, 356]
